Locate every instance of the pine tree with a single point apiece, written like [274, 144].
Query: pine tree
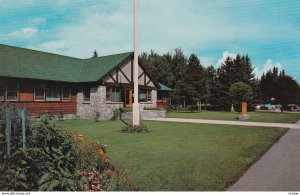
[233, 70]
[95, 54]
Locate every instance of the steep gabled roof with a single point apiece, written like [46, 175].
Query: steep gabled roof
[95, 68]
[26, 63]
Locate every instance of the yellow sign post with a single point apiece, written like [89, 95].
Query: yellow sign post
[244, 115]
[244, 108]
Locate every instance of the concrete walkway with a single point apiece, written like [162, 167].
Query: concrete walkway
[277, 170]
[222, 122]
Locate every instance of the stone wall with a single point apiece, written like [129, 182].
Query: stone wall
[147, 114]
[88, 110]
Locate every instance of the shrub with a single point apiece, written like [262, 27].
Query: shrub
[61, 116]
[135, 129]
[151, 108]
[48, 163]
[116, 114]
[55, 160]
[97, 116]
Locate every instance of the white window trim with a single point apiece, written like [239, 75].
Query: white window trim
[109, 101]
[4, 94]
[44, 94]
[6, 99]
[62, 92]
[52, 87]
[84, 100]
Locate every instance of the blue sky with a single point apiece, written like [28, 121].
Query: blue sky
[268, 31]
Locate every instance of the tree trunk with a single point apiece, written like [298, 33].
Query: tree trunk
[200, 105]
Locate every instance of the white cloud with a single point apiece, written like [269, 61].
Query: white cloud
[206, 60]
[25, 33]
[163, 26]
[267, 66]
[106, 33]
[225, 55]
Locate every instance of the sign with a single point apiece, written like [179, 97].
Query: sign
[244, 108]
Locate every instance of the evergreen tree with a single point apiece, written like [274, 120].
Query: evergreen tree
[210, 78]
[95, 54]
[193, 78]
[278, 85]
[233, 70]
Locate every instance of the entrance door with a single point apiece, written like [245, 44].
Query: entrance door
[128, 98]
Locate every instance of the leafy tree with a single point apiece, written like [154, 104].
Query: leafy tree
[240, 92]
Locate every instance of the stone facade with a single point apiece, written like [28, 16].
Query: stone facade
[97, 103]
[147, 114]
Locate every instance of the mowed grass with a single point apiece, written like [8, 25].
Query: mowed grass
[254, 116]
[181, 156]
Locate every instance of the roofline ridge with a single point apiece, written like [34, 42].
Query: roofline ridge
[39, 51]
[110, 55]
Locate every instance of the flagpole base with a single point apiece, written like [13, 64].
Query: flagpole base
[136, 114]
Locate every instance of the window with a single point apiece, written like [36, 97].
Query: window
[86, 95]
[65, 94]
[52, 93]
[12, 91]
[39, 93]
[113, 94]
[149, 95]
[145, 95]
[108, 94]
[2, 92]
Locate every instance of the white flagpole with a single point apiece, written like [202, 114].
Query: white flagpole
[136, 105]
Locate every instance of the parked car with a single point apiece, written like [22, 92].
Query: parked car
[293, 108]
[267, 107]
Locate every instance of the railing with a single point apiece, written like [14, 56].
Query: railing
[7, 123]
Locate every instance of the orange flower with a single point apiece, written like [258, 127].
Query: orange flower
[101, 152]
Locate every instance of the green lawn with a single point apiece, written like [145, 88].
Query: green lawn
[254, 116]
[181, 157]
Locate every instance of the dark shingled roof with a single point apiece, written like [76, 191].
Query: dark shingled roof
[32, 64]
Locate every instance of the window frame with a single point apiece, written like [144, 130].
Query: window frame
[4, 92]
[17, 94]
[52, 88]
[62, 94]
[34, 95]
[148, 94]
[112, 91]
[108, 89]
[85, 99]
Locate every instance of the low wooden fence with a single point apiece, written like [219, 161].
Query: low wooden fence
[6, 129]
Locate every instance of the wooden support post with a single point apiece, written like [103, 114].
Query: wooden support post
[130, 99]
[8, 130]
[23, 128]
